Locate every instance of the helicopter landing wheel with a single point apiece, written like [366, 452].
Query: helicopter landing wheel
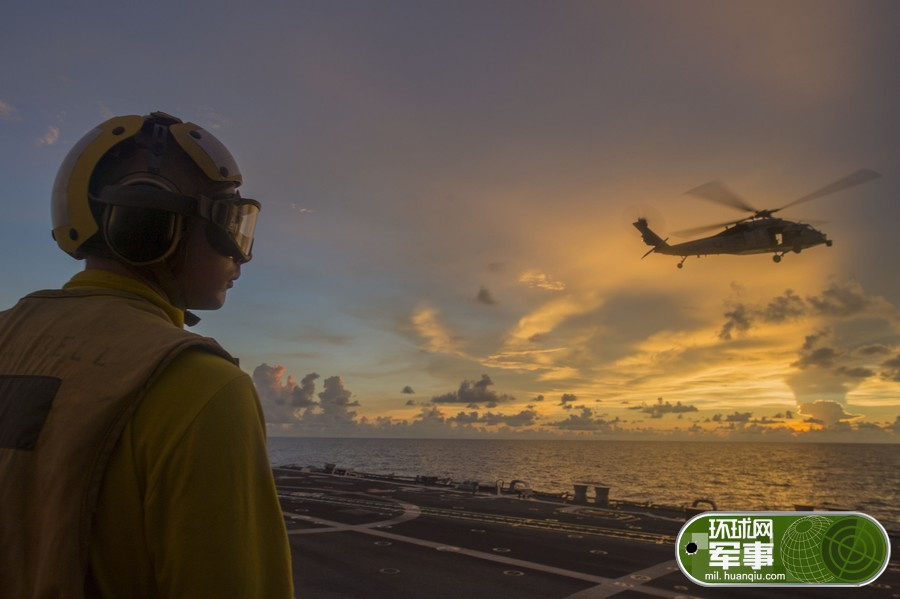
[776, 258]
[680, 265]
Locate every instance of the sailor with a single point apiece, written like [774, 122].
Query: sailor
[133, 457]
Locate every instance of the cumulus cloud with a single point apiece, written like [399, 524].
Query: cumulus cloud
[827, 413]
[784, 308]
[523, 418]
[736, 417]
[284, 401]
[8, 111]
[567, 398]
[661, 408]
[837, 301]
[876, 349]
[741, 317]
[407, 390]
[736, 319]
[766, 421]
[334, 405]
[829, 371]
[432, 415]
[539, 280]
[484, 296]
[465, 418]
[474, 393]
[586, 420]
[302, 396]
[842, 301]
[268, 383]
[50, 136]
[823, 357]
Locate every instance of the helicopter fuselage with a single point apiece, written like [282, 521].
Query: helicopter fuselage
[768, 235]
[759, 236]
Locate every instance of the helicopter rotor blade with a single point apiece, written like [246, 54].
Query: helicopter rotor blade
[858, 178]
[714, 191]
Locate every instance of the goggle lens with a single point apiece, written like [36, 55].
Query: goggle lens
[233, 217]
[236, 219]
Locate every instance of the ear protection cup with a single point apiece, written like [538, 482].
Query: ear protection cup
[141, 236]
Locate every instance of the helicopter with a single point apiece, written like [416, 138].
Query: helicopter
[759, 233]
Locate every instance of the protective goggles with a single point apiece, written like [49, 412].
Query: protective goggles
[233, 217]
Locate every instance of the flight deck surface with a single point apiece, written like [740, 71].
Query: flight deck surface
[361, 536]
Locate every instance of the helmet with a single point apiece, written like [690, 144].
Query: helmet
[128, 184]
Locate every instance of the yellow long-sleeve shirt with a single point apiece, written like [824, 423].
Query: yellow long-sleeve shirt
[188, 506]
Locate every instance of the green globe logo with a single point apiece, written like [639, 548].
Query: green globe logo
[852, 549]
[819, 550]
[801, 549]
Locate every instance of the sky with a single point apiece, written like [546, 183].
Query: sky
[445, 247]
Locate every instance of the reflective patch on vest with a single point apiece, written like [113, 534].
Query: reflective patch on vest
[24, 404]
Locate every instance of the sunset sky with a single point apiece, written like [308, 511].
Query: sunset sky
[445, 246]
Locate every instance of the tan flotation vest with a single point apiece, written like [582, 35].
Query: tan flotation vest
[74, 365]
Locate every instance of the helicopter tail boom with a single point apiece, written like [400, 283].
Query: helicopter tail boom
[649, 237]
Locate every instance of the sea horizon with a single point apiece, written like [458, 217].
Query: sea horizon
[636, 439]
[735, 475]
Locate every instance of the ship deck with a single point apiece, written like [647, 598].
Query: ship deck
[362, 536]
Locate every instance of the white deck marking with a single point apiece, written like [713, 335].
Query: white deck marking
[633, 582]
[606, 587]
[370, 530]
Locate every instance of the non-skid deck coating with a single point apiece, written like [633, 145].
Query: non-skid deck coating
[353, 536]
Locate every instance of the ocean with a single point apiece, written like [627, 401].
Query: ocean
[736, 476]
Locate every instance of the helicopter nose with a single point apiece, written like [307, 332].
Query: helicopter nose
[822, 238]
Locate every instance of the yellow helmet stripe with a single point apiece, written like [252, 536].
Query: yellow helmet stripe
[73, 222]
